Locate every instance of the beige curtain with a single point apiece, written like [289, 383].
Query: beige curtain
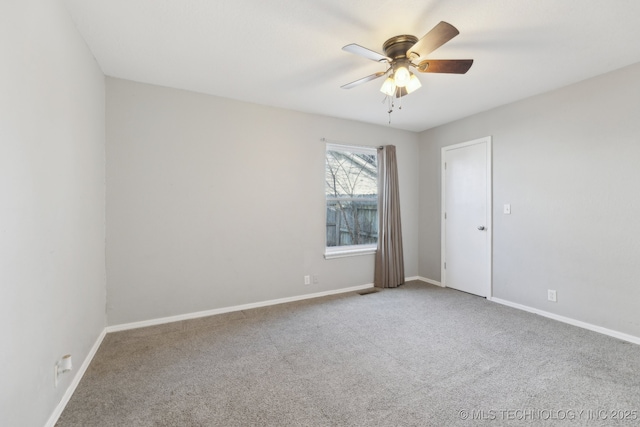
[389, 272]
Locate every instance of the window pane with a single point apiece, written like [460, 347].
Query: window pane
[352, 200]
[351, 175]
[352, 222]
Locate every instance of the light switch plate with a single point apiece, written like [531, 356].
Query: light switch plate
[507, 209]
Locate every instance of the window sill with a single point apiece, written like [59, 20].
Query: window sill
[349, 251]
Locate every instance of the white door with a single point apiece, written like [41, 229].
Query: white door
[466, 225]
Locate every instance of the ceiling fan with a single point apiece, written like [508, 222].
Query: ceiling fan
[406, 51]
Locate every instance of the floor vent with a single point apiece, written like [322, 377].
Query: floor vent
[369, 291]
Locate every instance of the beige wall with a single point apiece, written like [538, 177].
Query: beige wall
[52, 273]
[569, 163]
[213, 203]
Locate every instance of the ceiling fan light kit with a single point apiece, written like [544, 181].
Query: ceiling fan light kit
[400, 54]
[391, 85]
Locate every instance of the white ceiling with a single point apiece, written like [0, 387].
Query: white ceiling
[287, 53]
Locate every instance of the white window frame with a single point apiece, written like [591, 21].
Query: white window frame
[332, 252]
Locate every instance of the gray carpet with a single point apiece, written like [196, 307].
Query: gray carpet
[418, 355]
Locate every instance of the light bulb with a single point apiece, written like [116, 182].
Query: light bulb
[388, 87]
[414, 84]
[401, 76]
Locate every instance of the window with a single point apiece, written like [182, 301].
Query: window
[351, 190]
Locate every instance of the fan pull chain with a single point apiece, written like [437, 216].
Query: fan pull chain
[390, 105]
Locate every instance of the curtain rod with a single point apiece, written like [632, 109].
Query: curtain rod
[333, 141]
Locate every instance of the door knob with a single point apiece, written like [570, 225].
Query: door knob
[481, 227]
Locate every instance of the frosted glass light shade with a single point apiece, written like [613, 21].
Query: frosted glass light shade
[401, 76]
[414, 84]
[388, 87]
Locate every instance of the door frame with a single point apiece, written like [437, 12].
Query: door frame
[489, 209]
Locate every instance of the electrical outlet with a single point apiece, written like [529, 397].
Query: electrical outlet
[552, 296]
[307, 280]
[62, 366]
[315, 280]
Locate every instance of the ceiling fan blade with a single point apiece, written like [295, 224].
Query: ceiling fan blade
[439, 35]
[364, 80]
[367, 53]
[451, 66]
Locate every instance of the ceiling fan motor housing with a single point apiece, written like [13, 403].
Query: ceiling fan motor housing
[396, 47]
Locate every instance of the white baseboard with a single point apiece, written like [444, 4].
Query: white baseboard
[424, 279]
[53, 419]
[195, 315]
[570, 321]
